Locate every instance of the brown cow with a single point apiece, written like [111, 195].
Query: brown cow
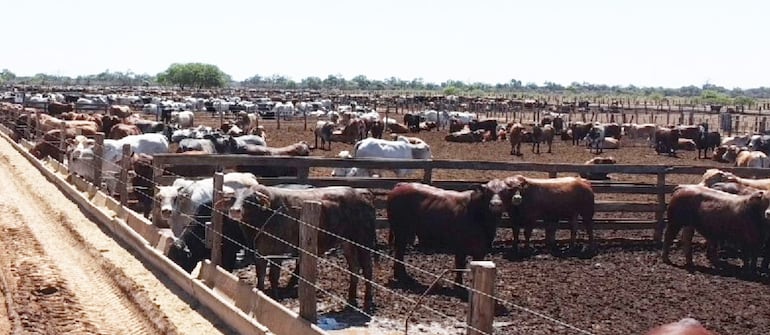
[122, 130]
[120, 111]
[666, 140]
[515, 138]
[56, 108]
[598, 175]
[462, 222]
[686, 326]
[345, 212]
[550, 200]
[739, 220]
[397, 128]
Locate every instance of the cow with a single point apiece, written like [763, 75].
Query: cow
[644, 131]
[122, 130]
[377, 128]
[412, 121]
[688, 132]
[183, 119]
[666, 140]
[379, 148]
[755, 159]
[354, 131]
[186, 204]
[455, 125]
[550, 200]
[760, 143]
[719, 153]
[595, 139]
[736, 140]
[296, 149]
[712, 176]
[147, 126]
[598, 175]
[50, 144]
[56, 108]
[515, 138]
[686, 144]
[323, 130]
[486, 125]
[142, 179]
[248, 122]
[612, 130]
[121, 111]
[464, 223]
[465, 136]
[706, 140]
[397, 128]
[179, 202]
[81, 156]
[740, 220]
[542, 134]
[347, 218]
[686, 326]
[579, 131]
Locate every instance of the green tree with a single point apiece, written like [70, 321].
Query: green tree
[714, 97]
[6, 76]
[197, 75]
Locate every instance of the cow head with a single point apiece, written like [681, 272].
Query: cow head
[761, 201]
[234, 200]
[517, 185]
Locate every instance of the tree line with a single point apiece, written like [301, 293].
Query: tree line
[200, 76]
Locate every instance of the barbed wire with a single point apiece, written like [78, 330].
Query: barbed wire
[358, 245]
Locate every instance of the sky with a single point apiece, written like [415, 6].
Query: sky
[668, 43]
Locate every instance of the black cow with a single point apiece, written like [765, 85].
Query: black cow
[412, 122]
[486, 125]
[666, 140]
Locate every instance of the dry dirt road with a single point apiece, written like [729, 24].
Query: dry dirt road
[61, 274]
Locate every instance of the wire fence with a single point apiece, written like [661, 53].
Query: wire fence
[372, 251]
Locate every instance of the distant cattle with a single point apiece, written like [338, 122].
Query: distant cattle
[515, 134]
[465, 136]
[596, 139]
[486, 125]
[323, 130]
[122, 130]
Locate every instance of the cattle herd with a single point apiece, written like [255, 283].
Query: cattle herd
[728, 211]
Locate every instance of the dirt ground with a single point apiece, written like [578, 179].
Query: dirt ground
[624, 289]
[62, 274]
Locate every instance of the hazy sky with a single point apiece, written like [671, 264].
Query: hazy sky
[646, 43]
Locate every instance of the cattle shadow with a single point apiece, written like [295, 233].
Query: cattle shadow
[539, 249]
[346, 318]
[728, 270]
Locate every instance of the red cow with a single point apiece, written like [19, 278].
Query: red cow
[122, 130]
[464, 222]
[550, 200]
[515, 135]
[719, 217]
[686, 326]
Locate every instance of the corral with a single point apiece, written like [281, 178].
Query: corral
[623, 289]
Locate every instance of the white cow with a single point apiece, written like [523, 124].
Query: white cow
[401, 148]
[179, 203]
[80, 157]
[183, 119]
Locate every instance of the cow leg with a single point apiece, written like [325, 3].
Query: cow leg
[573, 232]
[365, 260]
[399, 270]
[275, 275]
[588, 223]
[549, 147]
[260, 265]
[712, 248]
[671, 231]
[294, 279]
[351, 256]
[550, 235]
[686, 241]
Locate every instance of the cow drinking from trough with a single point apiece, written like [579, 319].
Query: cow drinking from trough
[347, 218]
[186, 205]
[550, 200]
[463, 222]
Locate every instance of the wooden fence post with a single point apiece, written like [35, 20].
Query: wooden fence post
[427, 176]
[157, 172]
[214, 235]
[308, 263]
[481, 306]
[98, 156]
[62, 140]
[28, 129]
[125, 165]
[660, 213]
